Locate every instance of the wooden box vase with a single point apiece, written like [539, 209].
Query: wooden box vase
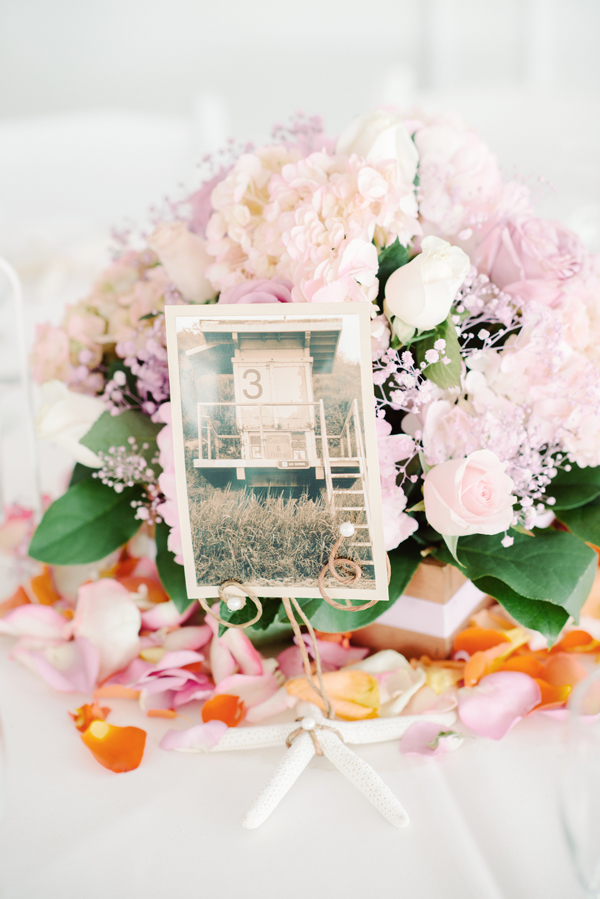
[437, 604]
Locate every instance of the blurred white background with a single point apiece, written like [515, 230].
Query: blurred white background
[106, 106]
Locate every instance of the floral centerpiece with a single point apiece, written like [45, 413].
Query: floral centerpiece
[485, 331]
[485, 344]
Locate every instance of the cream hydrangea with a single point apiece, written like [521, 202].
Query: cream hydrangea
[312, 221]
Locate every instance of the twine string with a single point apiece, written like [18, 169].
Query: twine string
[320, 688]
[302, 730]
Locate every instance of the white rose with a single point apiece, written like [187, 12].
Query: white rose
[381, 135]
[421, 293]
[65, 417]
[469, 496]
[185, 259]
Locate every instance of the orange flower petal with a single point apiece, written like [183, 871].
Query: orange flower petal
[476, 639]
[224, 707]
[353, 694]
[576, 641]
[154, 590]
[117, 748]
[19, 598]
[162, 713]
[563, 670]
[85, 714]
[116, 691]
[43, 588]
[525, 663]
[553, 697]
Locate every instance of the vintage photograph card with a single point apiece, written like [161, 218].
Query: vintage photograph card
[275, 447]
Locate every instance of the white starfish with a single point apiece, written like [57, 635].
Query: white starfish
[332, 738]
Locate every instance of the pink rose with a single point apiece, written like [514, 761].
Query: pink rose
[185, 259]
[263, 290]
[532, 258]
[469, 496]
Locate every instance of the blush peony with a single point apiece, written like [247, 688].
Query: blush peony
[469, 496]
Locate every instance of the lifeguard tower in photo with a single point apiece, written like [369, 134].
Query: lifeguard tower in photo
[273, 434]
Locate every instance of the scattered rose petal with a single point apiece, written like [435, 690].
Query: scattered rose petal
[40, 622]
[354, 695]
[252, 690]
[562, 669]
[19, 598]
[476, 639]
[68, 667]
[117, 748]
[427, 738]
[85, 714]
[576, 641]
[166, 614]
[552, 696]
[225, 707]
[107, 616]
[200, 738]
[278, 702]
[498, 702]
[43, 589]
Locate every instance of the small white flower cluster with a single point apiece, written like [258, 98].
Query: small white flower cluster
[148, 510]
[124, 466]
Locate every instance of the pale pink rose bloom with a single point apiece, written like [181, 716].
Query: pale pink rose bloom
[532, 258]
[50, 355]
[263, 290]
[469, 496]
[459, 177]
[185, 258]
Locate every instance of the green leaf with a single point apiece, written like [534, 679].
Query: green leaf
[115, 430]
[172, 575]
[270, 610]
[574, 488]
[241, 616]
[79, 473]
[583, 522]
[555, 567]
[452, 544]
[404, 561]
[86, 524]
[534, 613]
[390, 259]
[443, 375]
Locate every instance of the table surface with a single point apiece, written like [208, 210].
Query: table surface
[484, 819]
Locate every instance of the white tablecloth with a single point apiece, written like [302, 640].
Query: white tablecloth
[484, 820]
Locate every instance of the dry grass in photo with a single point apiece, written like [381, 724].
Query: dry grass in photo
[236, 533]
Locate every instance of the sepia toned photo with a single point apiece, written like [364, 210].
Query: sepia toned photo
[274, 437]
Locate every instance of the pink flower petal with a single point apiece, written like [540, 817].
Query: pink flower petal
[498, 702]
[333, 656]
[252, 690]
[68, 667]
[187, 638]
[427, 700]
[200, 738]
[178, 659]
[41, 622]
[166, 614]
[191, 692]
[222, 663]
[163, 699]
[242, 650]
[107, 616]
[278, 702]
[428, 738]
